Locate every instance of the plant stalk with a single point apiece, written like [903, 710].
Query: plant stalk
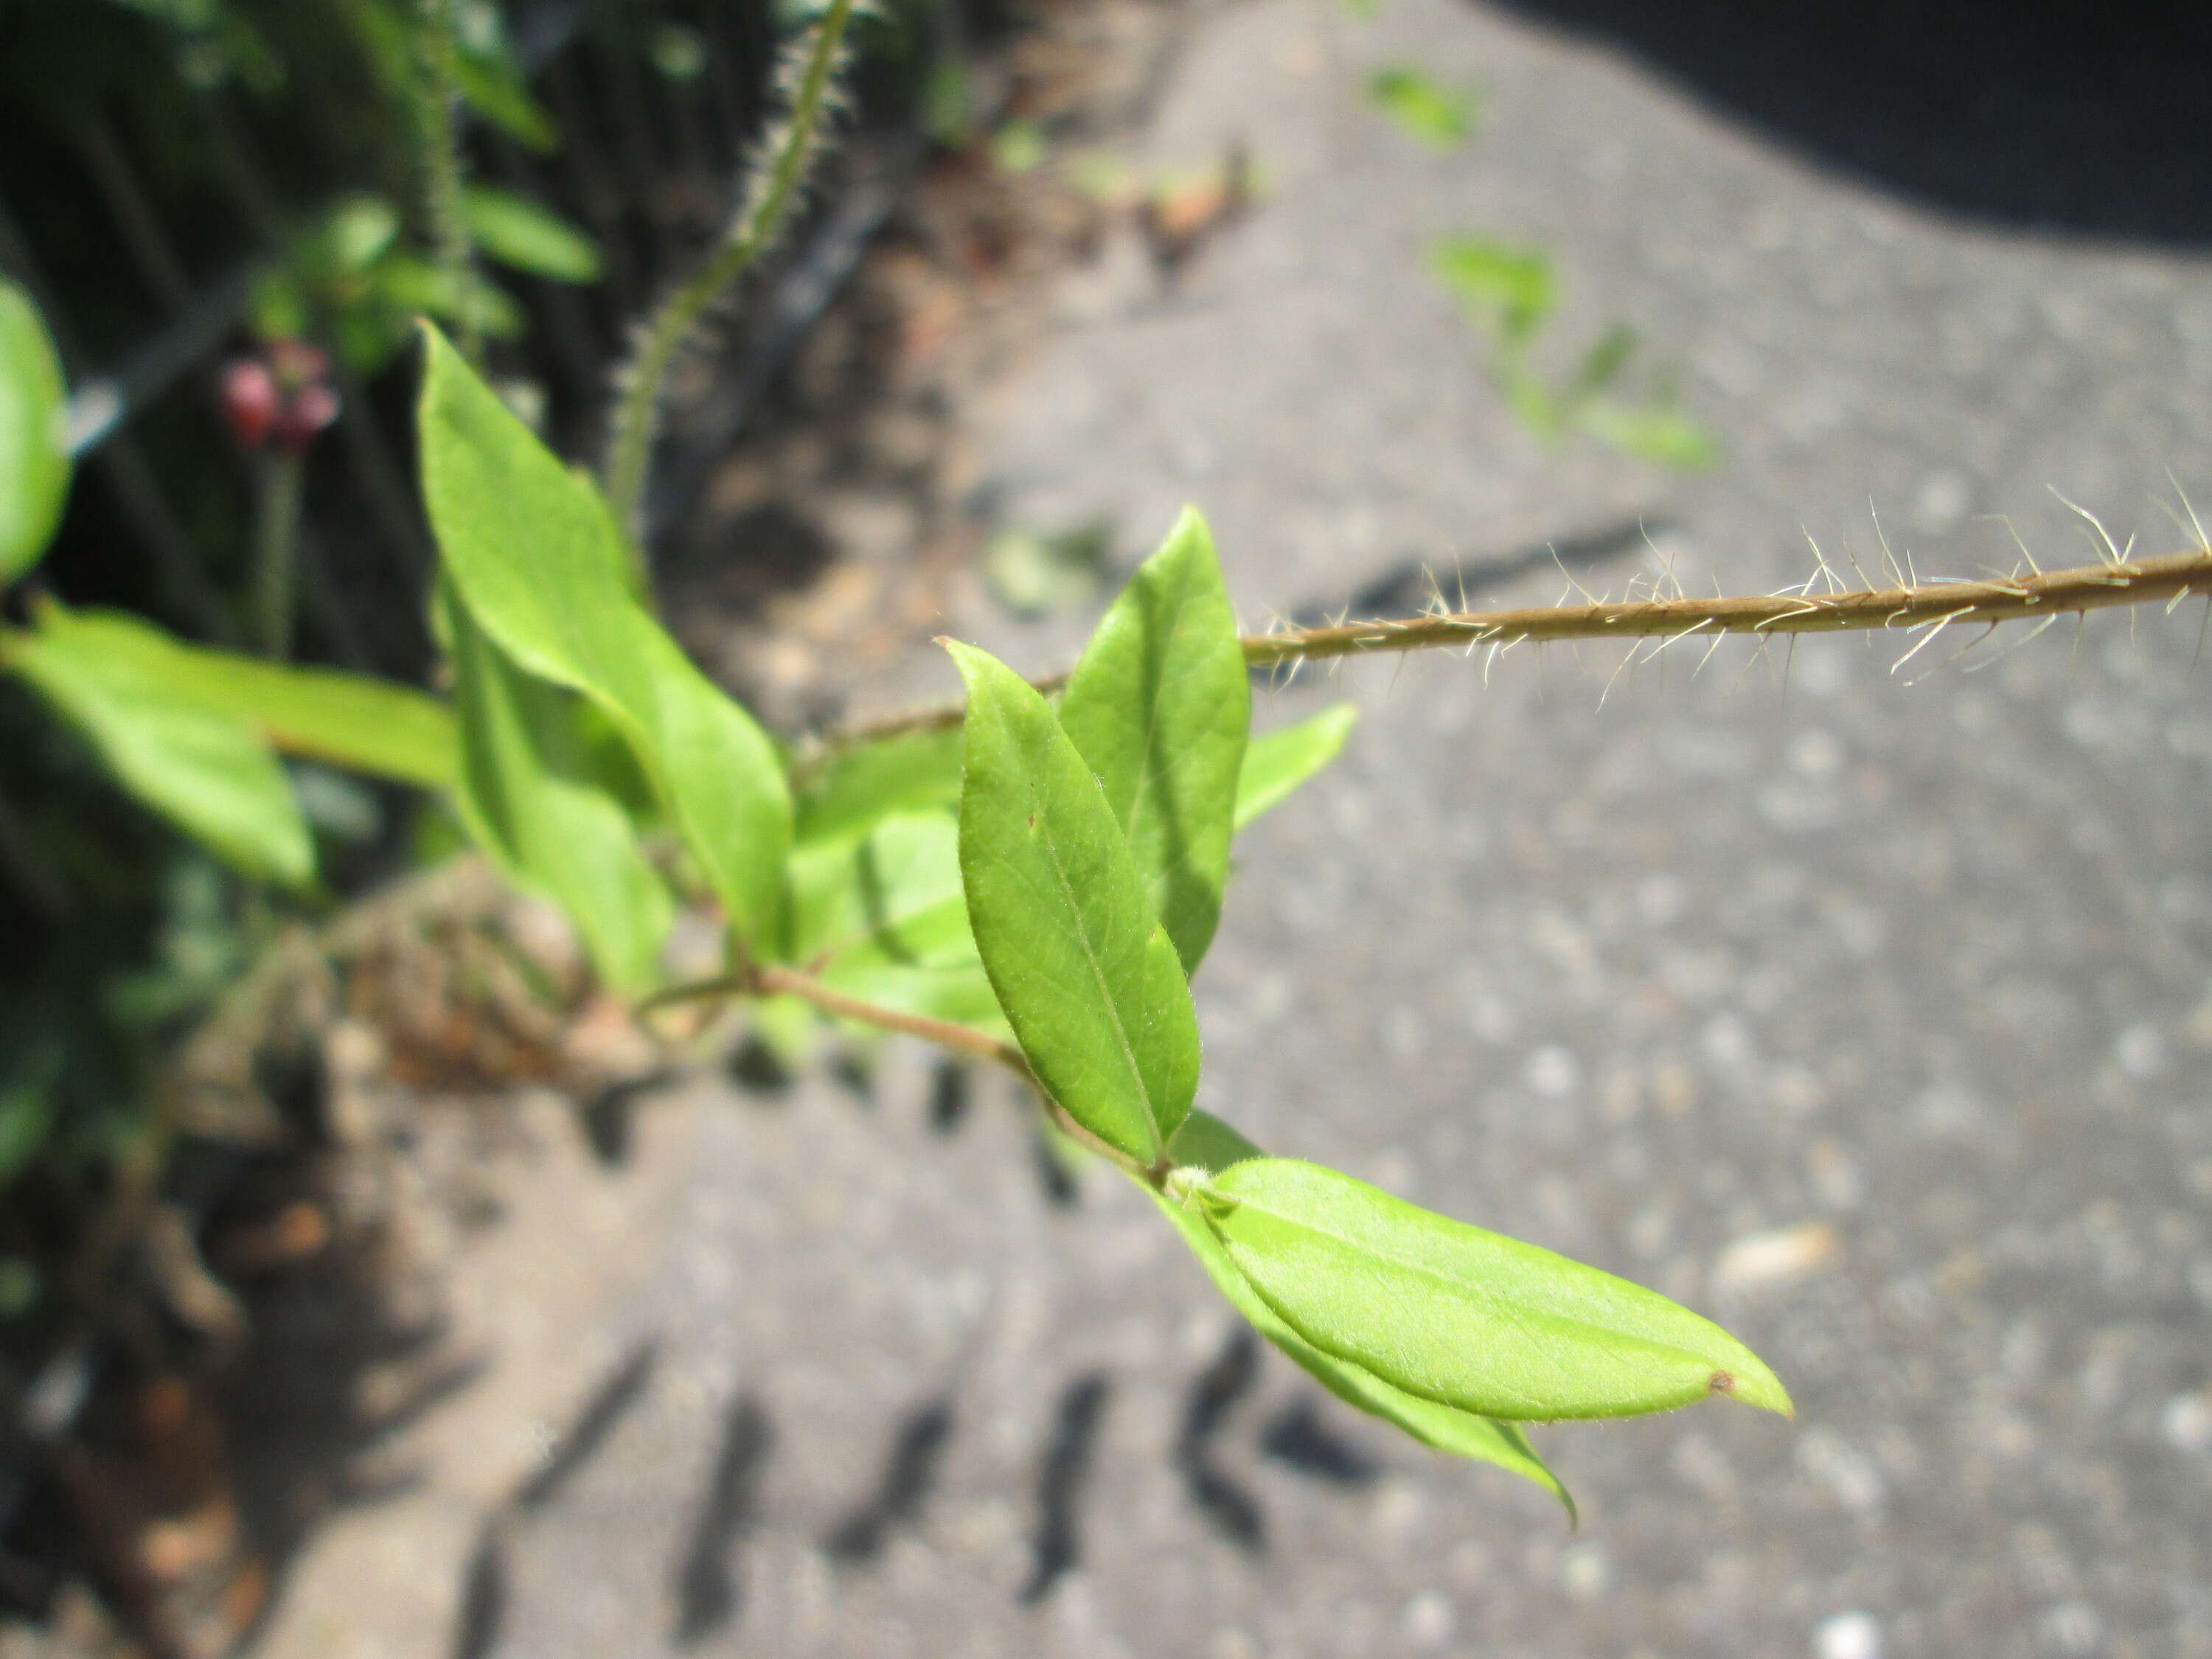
[770, 980]
[275, 543]
[2044, 595]
[758, 219]
[438, 116]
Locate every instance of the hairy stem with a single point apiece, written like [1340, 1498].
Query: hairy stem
[768, 981]
[276, 533]
[438, 120]
[759, 217]
[2171, 577]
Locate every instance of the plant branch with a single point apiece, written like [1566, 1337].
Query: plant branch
[768, 981]
[2172, 577]
[438, 116]
[759, 217]
[275, 558]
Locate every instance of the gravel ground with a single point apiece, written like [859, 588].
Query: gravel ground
[1866, 1010]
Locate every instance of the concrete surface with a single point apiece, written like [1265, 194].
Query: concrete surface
[1868, 1012]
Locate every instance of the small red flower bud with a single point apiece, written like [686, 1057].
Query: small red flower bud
[305, 414]
[249, 402]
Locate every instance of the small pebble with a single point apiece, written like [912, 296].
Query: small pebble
[1848, 1636]
[1585, 1570]
[2186, 1422]
[1758, 1259]
[1429, 1620]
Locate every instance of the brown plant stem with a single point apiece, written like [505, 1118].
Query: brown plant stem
[770, 980]
[2172, 576]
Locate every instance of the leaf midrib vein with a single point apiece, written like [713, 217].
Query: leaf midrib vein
[1098, 973]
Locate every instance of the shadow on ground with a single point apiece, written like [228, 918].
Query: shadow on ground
[2060, 116]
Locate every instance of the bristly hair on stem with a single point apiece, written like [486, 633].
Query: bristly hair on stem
[772, 186]
[2038, 596]
[438, 137]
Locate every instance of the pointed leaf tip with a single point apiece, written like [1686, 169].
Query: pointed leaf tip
[1453, 1313]
[1207, 1140]
[1159, 708]
[1760, 1388]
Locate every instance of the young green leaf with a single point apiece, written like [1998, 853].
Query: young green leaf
[407, 283]
[1277, 764]
[1602, 364]
[1505, 291]
[34, 471]
[858, 786]
[905, 873]
[1529, 395]
[1087, 978]
[1159, 708]
[1451, 1313]
[27, 1119]
[885, 920]
[528, 799]
[515, 231]
[373, 725]
[209, 772]
[485, 72]
[1440, 117]
[492, 85]
[1206, 1141]
[1655, 432]
[539, 564]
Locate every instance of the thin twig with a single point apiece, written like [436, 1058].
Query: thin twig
[769, 981]
[275, 538]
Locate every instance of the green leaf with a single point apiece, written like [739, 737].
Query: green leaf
[350, 237]
[34, 471]
[1159, 708]
[1087, 978]
[491, 83]
[1505, 290]
[1602, 364]
[415, 285]
[857, 788]
[485, 73]
[1533, 403]
[1210, 1144]
[1440, 117]
[1657, 432]
[886, 921]
[899, 889]
[517, 232]
[1032, 573]
[540, 565]
[1277, 764]
[1451, 1313]
[353, 720]
[210, 773]
[529, 799]
[27, 1119]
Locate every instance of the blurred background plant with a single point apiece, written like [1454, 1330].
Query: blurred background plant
[212, 562]
[1509, 291]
